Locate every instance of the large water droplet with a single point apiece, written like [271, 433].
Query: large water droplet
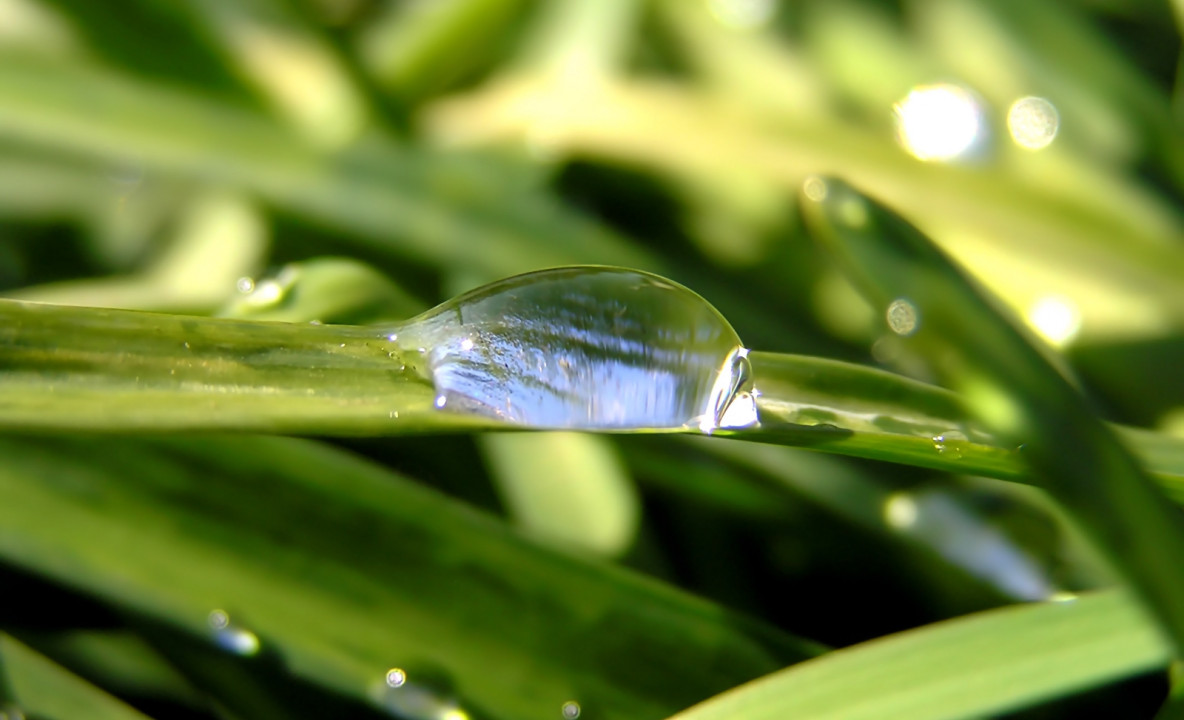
[585, 348]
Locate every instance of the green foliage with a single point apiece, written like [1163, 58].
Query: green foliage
[970, 453]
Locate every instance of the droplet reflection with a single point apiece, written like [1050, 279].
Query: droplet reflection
[938, 122]
[395, 677]
[1033, 122]
[570, 710]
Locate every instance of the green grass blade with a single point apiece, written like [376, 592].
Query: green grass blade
[345, 570]
[976, 666]
[86, 369]
[67, 368]
[1014, 387]
[43, 689]
[441, 209]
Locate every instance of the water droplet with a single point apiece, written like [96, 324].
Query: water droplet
[230, 637]
[902, 317]
[245, 284]
[570, 710]
[395, 677]
[393, 337]
[185, 345]
[950, 443]
[1033, 122]
[266, 292]
[586, 348]
[938, 122]
[394, 414]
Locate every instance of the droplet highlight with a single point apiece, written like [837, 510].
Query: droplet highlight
[902, 317]
[395, 677]
[570, 710]
[587, 347]
[938, 123]
[950, 443]
[230, 637]
[1033, 122]
[1056, 319]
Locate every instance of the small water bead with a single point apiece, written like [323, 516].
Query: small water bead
[395, 677]
[585, 348]
[230, 637]
[902, 317]
[571, 710]
[950, 443]
[1033, 122]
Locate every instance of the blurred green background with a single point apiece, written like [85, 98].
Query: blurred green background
[357, 161]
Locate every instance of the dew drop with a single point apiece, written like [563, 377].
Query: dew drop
[586, 348]
[395, 677]
[245, 285]
[950, 443]
[902, 317]
[231, 637]
[1033, 122]
[570, 710]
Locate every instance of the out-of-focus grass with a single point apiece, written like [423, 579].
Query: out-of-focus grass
[154, 154]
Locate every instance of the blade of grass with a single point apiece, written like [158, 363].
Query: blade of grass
[1014, 387]
[976, 666]
[87, 369]
[451, 211]
[345, 570]
[43, 689]
[66, 368]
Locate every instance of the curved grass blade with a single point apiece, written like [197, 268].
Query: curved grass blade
[975, 666]
[1013, 387]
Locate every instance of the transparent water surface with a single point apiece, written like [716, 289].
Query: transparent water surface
[593, 348]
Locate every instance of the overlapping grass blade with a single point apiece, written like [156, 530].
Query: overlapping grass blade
[345, 570]
[1013, 386]
[976, 666]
